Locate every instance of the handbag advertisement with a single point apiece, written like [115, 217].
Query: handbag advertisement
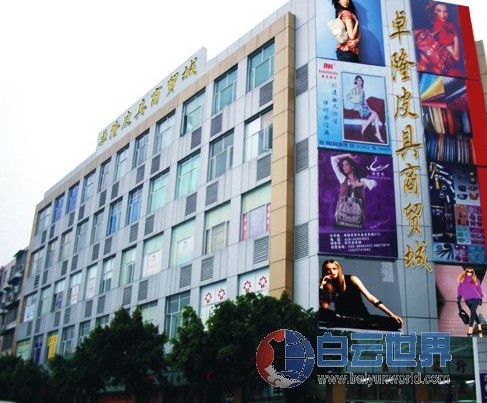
[356, 204]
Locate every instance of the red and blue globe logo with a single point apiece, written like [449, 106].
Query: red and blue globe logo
[299, 359]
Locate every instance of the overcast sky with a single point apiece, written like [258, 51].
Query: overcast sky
[68, 68]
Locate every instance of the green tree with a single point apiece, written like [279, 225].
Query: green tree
[127, 352]
[21, 381]
[224, 353]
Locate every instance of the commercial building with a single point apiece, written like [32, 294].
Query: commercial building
[225, 179]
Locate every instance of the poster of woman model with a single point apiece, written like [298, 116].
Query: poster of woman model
[357, 296]
[444, 39]
[356, 204]
[352, 108]
[468, 283]
[367, 44]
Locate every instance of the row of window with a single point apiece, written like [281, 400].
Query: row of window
[258, 140]
[260, 69]
[255, 221]
[210, 296]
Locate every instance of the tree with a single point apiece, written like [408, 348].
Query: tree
[20, 381]
[128, 353]
[224, 353]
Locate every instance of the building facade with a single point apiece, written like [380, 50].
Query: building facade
[223, 179]
[11, 278]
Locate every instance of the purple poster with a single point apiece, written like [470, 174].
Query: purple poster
[356, 204]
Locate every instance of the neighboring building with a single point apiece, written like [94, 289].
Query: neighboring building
[11, 277]
[224, 179]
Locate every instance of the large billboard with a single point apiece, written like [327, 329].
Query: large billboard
[444, 39]
[457, 222]
[369, 43]
[352, 107]
[468, 283]
[356, 204]
[357, 296]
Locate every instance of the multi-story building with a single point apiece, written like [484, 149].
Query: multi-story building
[11, 277]
[225, 178]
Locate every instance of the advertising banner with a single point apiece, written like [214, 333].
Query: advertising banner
[468, 283]
[349, 292]
[444, 39]
[352, 108]
[356, 204]
[457, 224]
[446, 119]
[368, 45]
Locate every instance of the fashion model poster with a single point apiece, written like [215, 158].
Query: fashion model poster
[356, 204]
[457, 222]
[352, 108]
[358, 295]
[444, 39]
[368, 41]
[468, 283]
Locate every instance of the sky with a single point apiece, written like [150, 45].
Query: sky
[68, 68]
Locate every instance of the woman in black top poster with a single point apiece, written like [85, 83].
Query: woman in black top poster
[345, 292]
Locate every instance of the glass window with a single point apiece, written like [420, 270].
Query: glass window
[81, 235]
[152, 262]
[57, 297]
[43, 220]
[84, 331]
[261, 66]
[182, 243]
[58, 208]
[225, 90]
[174, 306]
[128, 266]
[114, 216]
[188, 175]
[37, 349]
[96, 228]
[140, 151]
[88, 187]
[217, 222]
[74, 285]
[133, 208]
[221, 156]
[51, 253]
[258, 136]
[158, 192]
[72, 198]
[255, 281]
[102, 320]
[23, 350]
[103, 178]
[192, 113]
[67, 346]
[106, 275]
[121, 163]
[29, 307]
[90, 282]
[65, 248]
[44, 302]
[164, 133]
[256, 212]
[36, 262]
[211, 296]
[149, 312]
